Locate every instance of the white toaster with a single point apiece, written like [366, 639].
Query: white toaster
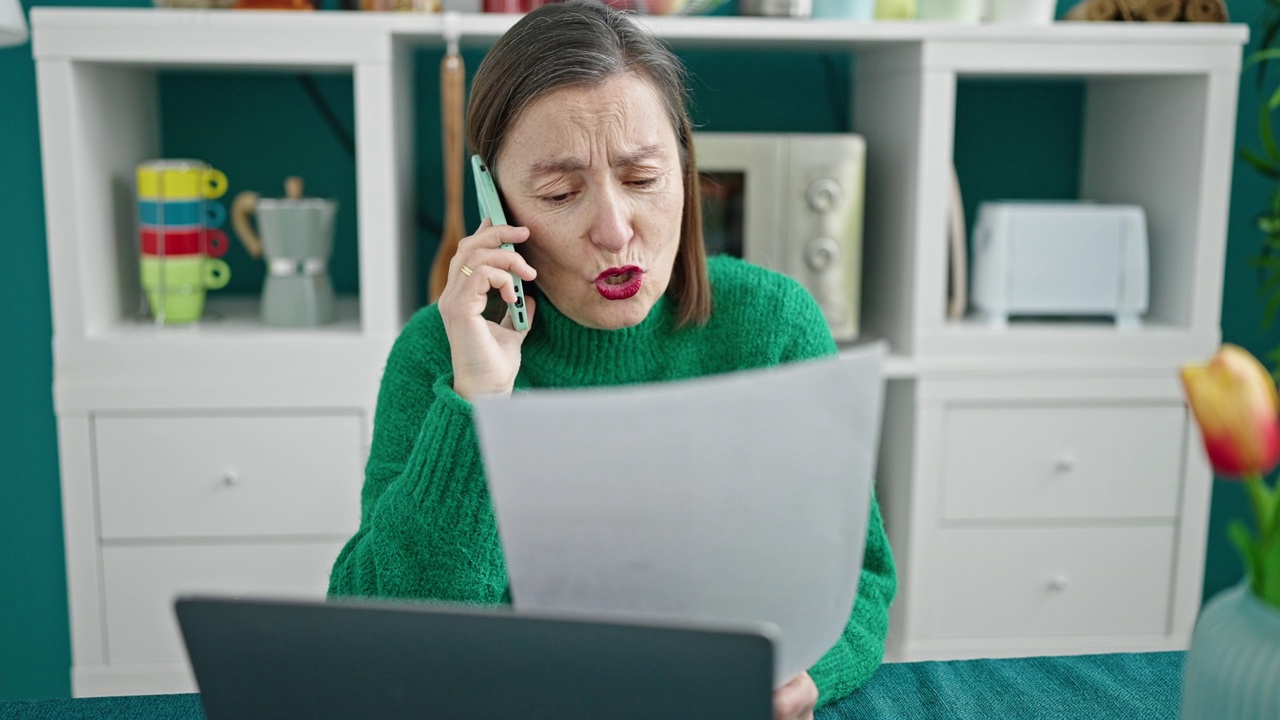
[1060, 259]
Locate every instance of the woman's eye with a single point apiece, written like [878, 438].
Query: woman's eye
[644, 182]
[558, 199]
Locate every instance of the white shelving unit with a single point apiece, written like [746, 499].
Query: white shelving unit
[1043, 487]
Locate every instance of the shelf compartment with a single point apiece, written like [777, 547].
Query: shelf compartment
[282, 125]
[1129, 152]
[103, 118]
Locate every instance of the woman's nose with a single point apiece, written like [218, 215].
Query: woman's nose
[611, 223]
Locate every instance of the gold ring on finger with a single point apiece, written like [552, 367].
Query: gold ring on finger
[467, 271]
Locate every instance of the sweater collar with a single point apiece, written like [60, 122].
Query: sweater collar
[592, 356]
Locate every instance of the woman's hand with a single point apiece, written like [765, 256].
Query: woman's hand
[485, 355]
[796, 699]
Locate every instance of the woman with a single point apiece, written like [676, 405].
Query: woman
[580, 115]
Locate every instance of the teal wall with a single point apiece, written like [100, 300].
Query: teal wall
[34, 648]
[1013, 140]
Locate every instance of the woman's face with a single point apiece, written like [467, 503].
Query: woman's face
[595, 174]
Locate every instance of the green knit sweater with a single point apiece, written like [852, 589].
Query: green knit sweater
[427, 529]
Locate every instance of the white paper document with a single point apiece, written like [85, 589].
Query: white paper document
[739, 498]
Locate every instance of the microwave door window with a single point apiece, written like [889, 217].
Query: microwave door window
[723, 212]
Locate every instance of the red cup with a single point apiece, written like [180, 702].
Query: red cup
[194, 241]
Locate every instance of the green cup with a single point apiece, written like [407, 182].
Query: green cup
[176, 285]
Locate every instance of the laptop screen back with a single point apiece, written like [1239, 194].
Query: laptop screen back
[280, 659]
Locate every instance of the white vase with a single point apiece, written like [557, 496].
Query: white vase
[1233, 666]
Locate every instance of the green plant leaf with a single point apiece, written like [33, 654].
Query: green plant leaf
[1272, 531]
[1261, 56]
[1261, 502]
[1270, 286]
[1260, 164]
[1243, 540]
[1271, 263]
[1269, 31]
[1269, 314]
[1271, 291]
[1274, 358]
[1264, 132]
[1268, 585]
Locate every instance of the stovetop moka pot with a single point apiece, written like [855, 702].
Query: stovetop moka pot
[295, 237]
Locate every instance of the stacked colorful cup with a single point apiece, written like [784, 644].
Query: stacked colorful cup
[178, 224]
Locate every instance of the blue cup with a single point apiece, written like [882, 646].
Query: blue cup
[845, 9]
[182, 213]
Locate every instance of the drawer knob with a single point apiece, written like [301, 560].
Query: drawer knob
[1064, 464]
[1058, 583]
[230, 478]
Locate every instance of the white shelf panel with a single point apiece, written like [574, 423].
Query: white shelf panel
[230, 381]
[1065, 344]
[209, 37]
[237, 317]
[229, 359]
[896, 366]
[758, 31]
[329, 38]
[270, 390]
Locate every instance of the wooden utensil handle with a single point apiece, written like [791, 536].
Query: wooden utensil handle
[242, 207]
[452, 79]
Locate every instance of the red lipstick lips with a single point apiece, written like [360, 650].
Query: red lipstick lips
[620, 283]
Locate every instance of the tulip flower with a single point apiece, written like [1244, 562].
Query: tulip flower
[1233, 399]
[1234, 402]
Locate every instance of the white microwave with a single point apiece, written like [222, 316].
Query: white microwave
[792, 203]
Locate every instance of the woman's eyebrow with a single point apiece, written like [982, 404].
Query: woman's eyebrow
[558, 166]
[637, 156]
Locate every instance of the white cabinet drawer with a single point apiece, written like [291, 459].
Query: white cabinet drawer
[224, 475]
[1052, 582]
[1064, 461]
[141, 582]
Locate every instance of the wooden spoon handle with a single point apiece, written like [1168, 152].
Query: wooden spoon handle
[452, 79]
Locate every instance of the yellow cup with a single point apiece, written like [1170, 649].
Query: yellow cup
[179, 180]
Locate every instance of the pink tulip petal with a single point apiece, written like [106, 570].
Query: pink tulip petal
[1234, 402]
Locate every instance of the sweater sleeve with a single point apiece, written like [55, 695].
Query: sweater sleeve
[427, 528]
[860, 649]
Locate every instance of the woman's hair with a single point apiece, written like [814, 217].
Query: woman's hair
[583, 43]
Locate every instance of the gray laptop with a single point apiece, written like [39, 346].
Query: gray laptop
[372, 659]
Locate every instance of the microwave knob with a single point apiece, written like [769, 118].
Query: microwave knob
[823, 195]
[821, 253]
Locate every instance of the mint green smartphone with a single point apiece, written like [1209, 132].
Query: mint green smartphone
[491, 207]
